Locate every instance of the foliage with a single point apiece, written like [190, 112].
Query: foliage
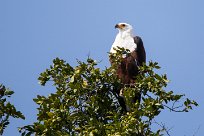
[85, 102]
[7, 110]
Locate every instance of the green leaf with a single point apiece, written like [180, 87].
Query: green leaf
[89, 101]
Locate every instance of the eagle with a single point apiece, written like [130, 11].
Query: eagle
[127, 69]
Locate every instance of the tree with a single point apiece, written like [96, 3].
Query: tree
[7, 110]
[85, 101]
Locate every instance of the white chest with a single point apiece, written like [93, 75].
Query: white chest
[127, 43]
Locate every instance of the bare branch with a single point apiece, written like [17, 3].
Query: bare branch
[163, 127]
[197, 130]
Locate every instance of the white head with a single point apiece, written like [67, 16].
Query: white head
[124, 27]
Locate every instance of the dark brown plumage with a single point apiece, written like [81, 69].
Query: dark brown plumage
[128, 69]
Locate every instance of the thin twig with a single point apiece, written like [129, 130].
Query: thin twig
[164, 128]
[173, 109]
[197, 130]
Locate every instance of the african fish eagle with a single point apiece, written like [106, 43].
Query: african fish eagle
[127, 70]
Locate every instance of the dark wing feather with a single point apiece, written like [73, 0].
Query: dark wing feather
[140, 51]
[136, 59]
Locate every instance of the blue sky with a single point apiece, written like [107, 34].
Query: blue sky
[34, 32]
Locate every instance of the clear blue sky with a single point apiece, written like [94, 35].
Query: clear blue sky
[34, 32]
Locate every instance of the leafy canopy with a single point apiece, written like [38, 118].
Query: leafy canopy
[7, 109]
[85, 101]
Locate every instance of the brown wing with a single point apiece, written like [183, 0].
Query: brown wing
[136, 59]
[140, 51]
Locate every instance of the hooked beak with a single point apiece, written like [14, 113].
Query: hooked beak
[116, 26]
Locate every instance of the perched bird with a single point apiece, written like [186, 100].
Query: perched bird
[127, 70]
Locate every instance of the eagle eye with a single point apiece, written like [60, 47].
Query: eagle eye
[123, 25]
